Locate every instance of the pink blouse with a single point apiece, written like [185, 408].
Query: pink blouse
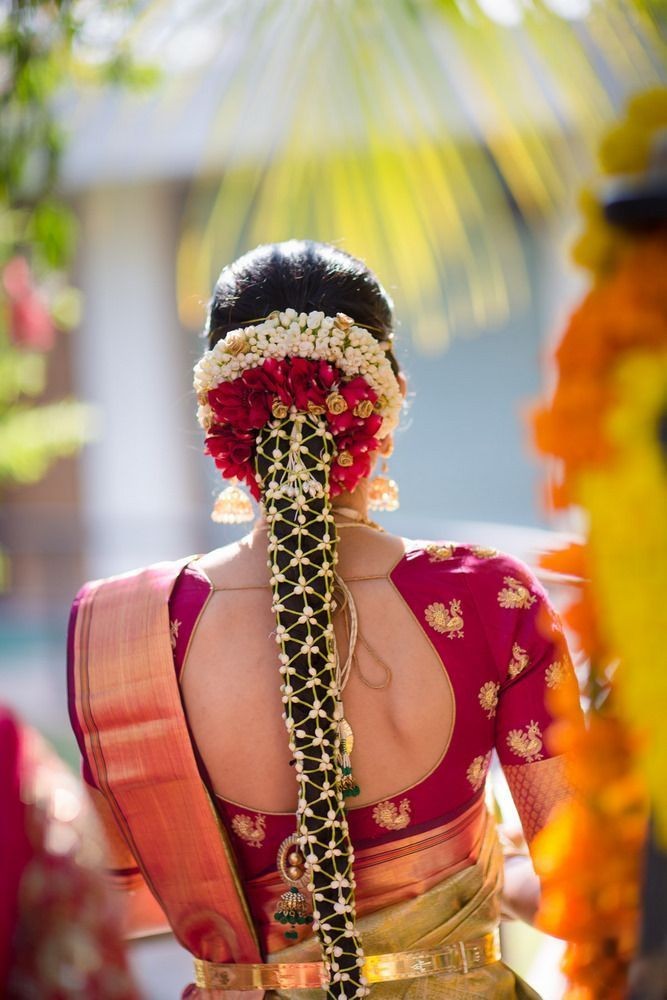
[501, 645]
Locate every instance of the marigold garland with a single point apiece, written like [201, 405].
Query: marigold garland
[625, 149]
[606, 424]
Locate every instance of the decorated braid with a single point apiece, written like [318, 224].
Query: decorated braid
[293, 461]
[295, 406]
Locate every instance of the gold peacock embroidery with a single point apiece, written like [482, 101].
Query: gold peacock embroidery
[448, 622]
[488, 698]
[388, 816]
[482, 552]
[519, 660]
[251, 832]
[526, 744]
[515, 594]
[476, 772]
[174, 626]
[555, 674]
[438, 553]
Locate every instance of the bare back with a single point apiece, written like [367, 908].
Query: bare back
[401, 709]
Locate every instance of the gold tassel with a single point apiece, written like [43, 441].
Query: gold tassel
[232, 506]
[348, 784]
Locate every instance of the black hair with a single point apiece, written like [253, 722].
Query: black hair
[302, 275]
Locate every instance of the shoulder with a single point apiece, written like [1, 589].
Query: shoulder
[495, 581]
[159, 576]
[483, 565]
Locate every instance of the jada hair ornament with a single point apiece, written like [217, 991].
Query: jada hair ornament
[295, 406]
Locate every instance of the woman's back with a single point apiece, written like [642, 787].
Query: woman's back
[398, 699]
[341, 708]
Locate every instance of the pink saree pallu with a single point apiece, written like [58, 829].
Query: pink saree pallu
[428, 904]
[127, 705]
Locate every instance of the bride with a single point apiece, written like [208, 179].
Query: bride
[288, 738]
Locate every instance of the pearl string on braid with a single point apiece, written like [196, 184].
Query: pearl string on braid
[293, 462]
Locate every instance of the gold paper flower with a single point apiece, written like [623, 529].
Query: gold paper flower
[336, 403]
[235, 343]
[343, 321]
[345, 459]
[279, 409]
[363, 409]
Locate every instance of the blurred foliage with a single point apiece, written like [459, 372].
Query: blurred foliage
[43, 48]
[420, 135]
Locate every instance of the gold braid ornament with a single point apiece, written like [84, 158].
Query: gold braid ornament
[293, 460]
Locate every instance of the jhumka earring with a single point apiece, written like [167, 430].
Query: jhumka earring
[232, 506]
[383, 492]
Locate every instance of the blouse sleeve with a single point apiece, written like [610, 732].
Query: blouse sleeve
[532, 660]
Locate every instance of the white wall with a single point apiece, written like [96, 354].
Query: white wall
[131, 364]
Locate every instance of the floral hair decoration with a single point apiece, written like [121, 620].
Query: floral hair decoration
[295, 406]
[297, 362]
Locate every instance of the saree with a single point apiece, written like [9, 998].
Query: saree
[429, 890]
[462, 907]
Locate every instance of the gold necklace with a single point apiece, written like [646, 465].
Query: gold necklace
[360, 520]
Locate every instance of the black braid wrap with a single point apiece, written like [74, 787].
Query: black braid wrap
[293, 462]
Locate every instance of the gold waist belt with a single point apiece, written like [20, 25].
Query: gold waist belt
[457, 957]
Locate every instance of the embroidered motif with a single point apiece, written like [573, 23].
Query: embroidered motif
[173, 631]
[483, 553]
[515, 594]
[555, 674]
[526, 744]
[449, 622]
[251, 832]
[519, 660]
[488, 698]
[438, 553]
[476, 772]
[387, 815]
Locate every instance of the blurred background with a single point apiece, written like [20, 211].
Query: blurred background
[144, 145]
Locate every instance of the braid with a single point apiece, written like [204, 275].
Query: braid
[293, 463]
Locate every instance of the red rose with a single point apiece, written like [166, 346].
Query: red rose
[345, 423]
[355, 390]
[230, 404]
[327, 375]
[263, 384]
[230, 449]
[275, 372]
[304, 383]
[372, 425]
[244, 406]
[347, 477]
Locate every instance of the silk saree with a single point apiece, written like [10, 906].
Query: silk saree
[174, 857]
